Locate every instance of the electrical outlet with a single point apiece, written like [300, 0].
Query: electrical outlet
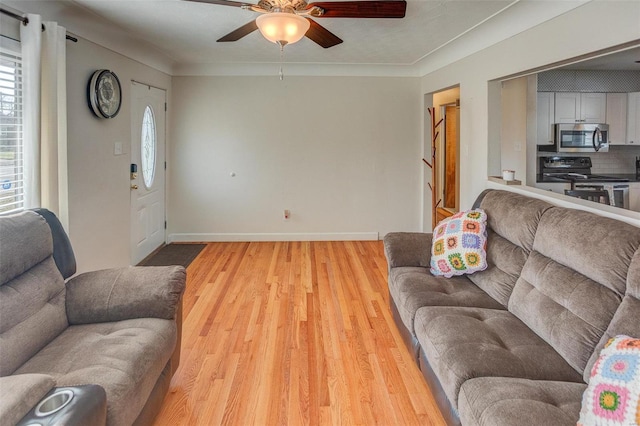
[287, 214]
[117, 148]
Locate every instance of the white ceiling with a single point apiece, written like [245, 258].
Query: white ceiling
[181, 35]
[187, 31]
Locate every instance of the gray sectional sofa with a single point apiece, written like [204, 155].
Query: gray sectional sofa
[106, 342]
[515, 343]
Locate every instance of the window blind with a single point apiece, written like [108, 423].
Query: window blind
[11, 130]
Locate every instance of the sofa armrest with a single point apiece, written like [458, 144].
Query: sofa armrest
[20, 393]
[125, 293]
[408, 249]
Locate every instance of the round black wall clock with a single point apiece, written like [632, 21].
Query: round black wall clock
[105, 94]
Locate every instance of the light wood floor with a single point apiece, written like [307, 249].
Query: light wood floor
[293, 334]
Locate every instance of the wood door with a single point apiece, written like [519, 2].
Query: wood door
[451, 156]
[148, 183]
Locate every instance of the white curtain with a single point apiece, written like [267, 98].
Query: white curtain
[45, 112]
[31, 41]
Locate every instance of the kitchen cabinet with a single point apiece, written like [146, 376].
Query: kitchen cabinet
[545, 110]
[571, 107]
[557, 187]
[633, 119]
[617, 118]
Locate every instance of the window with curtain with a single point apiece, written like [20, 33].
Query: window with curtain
[33, 127]
[11, 128]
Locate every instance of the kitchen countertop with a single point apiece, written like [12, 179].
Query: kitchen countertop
[548, 179]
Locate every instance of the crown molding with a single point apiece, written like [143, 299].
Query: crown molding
[296, 69]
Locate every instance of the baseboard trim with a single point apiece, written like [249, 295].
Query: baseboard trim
[339, 236]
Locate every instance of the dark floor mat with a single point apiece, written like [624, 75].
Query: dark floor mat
[175, 254]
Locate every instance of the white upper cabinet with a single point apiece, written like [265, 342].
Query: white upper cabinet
[593, 108]
[617, 118]
[633, 119]
[574, 107]
[567, 107]
[545, 110]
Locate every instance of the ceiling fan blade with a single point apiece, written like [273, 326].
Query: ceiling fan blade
[238, 33]
[224, 2]
[321, 35]
[362, 9]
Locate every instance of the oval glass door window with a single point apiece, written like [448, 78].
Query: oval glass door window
[148, 147]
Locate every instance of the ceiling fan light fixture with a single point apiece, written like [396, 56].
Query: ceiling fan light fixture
[282, 27]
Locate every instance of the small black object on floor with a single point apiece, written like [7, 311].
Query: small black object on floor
[174, 254]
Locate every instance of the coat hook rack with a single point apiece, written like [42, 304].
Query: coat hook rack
[433, 185]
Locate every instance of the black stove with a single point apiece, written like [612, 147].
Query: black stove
[573, 169]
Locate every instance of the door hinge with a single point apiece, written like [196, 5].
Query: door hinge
[165, 224]
[165, 106]
[165, 165]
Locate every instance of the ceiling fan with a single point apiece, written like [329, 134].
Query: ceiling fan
[297, 12]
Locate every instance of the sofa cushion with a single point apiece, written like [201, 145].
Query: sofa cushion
[32, 307]
[413, 288]
[598, 247]
[574, 280]
[32, 297]
[513, 216]
[625, 320]
[513, 220]
[505, 261]
[570, 311]
[462, 343]
[25, 241]
[613, 394]
[499, 401]
[124, 357]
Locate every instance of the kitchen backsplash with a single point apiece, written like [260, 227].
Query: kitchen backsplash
[619, 159]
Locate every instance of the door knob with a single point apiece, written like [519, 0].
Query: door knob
[134, 186]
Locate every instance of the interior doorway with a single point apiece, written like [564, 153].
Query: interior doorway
[446, 145]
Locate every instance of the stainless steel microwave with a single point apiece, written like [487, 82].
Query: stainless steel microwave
[582, 137]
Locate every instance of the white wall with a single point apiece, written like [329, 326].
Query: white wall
[556, 40]
[99, 218]
[342, 153]
[513, 135]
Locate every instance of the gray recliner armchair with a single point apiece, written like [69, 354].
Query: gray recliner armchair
[103, 345]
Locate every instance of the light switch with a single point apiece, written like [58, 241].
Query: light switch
[117, 148]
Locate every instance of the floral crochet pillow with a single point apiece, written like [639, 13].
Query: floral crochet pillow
[613, 395]
[460, 244]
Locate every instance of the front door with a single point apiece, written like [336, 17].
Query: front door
[148, 170]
